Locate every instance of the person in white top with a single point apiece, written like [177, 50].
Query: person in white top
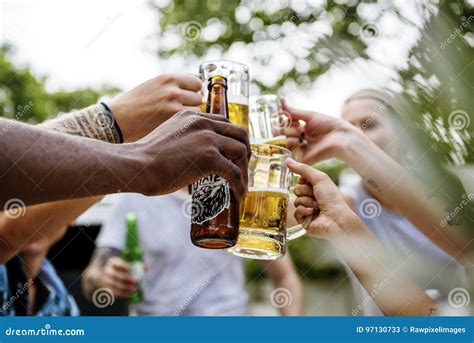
[400, 212]
[180, 279]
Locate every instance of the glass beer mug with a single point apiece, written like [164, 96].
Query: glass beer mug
[267, 120]
[237, 75]
[263, 232]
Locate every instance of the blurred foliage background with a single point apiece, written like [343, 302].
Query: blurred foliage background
[438, 78]
[23, 96]
[319, 32]
[439, 81]
[435, 86]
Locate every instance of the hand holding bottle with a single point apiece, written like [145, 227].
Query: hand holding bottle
[117, 277]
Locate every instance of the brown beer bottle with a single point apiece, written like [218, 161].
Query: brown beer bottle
[215, 212]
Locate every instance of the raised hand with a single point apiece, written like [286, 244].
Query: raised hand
[145, 107]
[324, 136]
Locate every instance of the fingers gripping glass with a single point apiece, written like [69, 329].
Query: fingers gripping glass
[263, 213]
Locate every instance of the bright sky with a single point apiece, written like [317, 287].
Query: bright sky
[80, 43]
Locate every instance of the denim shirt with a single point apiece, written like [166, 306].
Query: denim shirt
[5, 309]
[58, 301]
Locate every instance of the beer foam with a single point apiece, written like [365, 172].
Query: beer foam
[270, 140]
[237, 99]
[269, 189]
[231, 99]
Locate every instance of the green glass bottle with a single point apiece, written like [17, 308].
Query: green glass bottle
[132, 253]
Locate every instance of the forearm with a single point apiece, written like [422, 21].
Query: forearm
[32, 264]
[91, 280]
[292, 283]
[43, 220]
[286, 280]
[42, 166]
[393, 183]
[92, 122]
[394, 295]
[38, 221]
[393, 292]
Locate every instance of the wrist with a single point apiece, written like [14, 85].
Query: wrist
[355, 144]
[127, 165]
[354, 237]
[135, 168]
[92, 280]
[345, 219]
[112, 119]
[125, 117]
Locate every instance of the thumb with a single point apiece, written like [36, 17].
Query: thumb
[295, 113]
[320, 182]
[309, 173]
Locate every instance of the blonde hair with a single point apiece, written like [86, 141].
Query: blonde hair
[384, 98]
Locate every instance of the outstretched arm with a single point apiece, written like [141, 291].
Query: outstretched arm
[38, 165]
[136, 113]
[409, 196]
[287, 285]
[328, 137]
[37, 222]
[396, 294]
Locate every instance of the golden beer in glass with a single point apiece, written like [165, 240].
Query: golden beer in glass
[237, 75]
[263, 213]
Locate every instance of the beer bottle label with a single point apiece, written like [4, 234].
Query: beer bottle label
[137, 270]
[211, 196]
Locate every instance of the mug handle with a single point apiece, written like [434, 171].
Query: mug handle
[298, 230]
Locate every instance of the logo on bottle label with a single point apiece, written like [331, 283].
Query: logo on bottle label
[211, 195]
[137, 270]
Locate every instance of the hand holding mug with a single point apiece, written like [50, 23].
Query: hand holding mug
[318, 197]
